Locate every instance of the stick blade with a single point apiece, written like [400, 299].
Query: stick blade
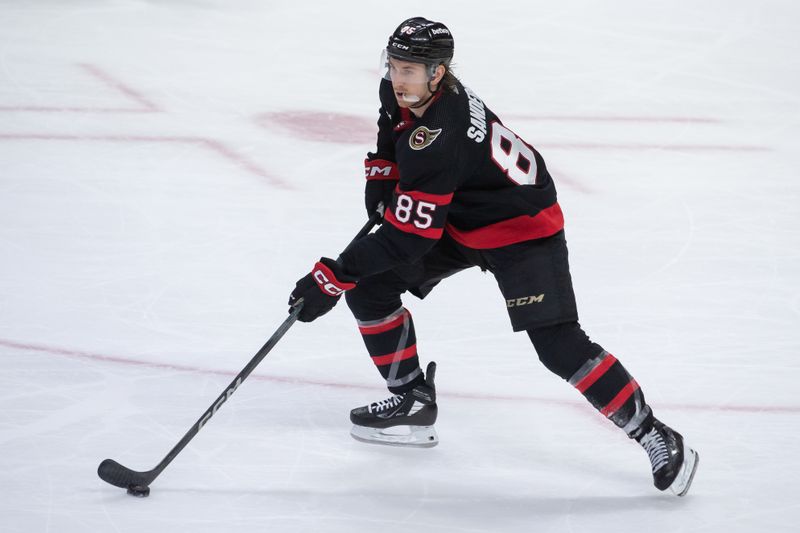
[114, 473]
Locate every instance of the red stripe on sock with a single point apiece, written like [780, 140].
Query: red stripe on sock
[386, 326]
[388, 359]
[620, 399]
[596, 374]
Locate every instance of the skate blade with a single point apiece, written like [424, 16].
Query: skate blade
[403, 436]
[685, 475]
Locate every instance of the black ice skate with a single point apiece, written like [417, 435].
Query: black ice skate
[403, 420]
[674, 463]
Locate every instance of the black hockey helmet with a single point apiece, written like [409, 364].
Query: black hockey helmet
[422, 41]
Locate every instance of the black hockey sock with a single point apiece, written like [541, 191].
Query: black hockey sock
[392, 344]
[612, 391]
[567, 351]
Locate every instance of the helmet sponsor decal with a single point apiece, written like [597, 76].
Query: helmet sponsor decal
[422, 137]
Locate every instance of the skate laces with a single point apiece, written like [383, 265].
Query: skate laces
[388, 403]
[656, 448]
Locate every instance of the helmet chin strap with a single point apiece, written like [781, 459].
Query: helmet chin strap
[421, 103]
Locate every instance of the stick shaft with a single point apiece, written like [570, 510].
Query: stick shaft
[116, 474]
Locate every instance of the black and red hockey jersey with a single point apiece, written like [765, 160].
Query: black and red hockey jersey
[460, 171]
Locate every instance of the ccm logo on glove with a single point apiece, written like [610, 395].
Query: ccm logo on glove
[381, 169]
[327, 282]
[320, 289]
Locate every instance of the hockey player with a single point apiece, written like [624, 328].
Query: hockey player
[462, 190]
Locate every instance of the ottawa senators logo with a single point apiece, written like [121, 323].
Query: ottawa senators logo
[422, 137]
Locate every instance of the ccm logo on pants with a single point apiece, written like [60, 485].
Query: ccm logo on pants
[525, 300]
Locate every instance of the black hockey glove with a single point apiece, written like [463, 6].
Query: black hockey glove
[382, 178]
[320, 289]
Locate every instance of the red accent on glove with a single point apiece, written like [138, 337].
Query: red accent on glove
[381, 169]
[327, 281]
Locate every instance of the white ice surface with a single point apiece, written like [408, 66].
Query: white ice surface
[154, 215]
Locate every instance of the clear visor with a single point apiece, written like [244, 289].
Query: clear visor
[404, 72]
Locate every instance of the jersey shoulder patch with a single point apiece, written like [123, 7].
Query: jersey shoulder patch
[422, 137]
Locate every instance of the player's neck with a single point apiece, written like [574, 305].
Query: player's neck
[419, 111]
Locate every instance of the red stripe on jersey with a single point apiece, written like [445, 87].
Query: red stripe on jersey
[596, 373]
[438, 199]
[620, 399]
[402, 355]
[409, 227]
[406, 120]
[522, 228]
[380, 328]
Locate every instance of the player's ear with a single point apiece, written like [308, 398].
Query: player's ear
[438, 74]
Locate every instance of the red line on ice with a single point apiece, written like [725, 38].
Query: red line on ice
[211, 144]
[143, 104]
[114, 83]
[80, 354]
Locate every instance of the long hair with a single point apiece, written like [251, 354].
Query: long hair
[449, 80]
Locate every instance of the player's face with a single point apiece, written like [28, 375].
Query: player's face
[409, 81]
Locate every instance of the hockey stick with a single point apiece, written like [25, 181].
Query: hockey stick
[138, 483]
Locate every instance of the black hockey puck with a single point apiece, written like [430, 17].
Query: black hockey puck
[140, 491]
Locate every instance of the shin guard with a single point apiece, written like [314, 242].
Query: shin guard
[392, 345]
[612, 391]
